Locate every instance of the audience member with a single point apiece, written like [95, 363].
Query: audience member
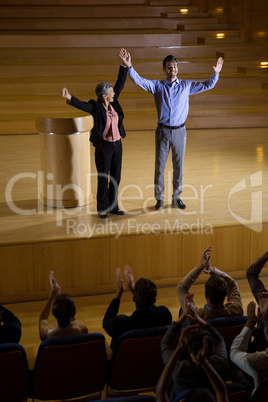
[257, 286]
[254, 364]
[10, 326]
[253, 272]
[217, 287]
[63, 309]
[205, 346]
[196, 394]
[146, 314]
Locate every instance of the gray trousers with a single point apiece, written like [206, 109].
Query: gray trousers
[164, 140]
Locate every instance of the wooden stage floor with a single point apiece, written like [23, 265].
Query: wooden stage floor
[225, 183]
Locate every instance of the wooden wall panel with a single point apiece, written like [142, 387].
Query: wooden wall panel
[259, 243]
[231, 247]
[77, 264]
[87, 266]
[129, 250]
[16, 270]
[163, 256]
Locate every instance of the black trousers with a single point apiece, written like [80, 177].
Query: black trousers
[108, 160]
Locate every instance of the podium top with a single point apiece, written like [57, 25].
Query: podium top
[64, 125]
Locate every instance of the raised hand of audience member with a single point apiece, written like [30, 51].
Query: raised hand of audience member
[164, 380]
[189, 298]
[184, 336]
[129, 278]
[193, 317]
[251, 313]
[214, 378]
[209, 269]
[55, 287]
[205, 258]
[120, 283]
[263, 304]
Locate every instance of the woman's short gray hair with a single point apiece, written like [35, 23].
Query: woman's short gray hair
[102, 89]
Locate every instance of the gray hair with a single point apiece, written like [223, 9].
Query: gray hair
[102, 89]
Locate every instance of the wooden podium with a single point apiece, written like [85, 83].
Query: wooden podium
[65, 161]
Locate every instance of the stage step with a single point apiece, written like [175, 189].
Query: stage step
[194, 36]
[87, 11]
[19, 88]
[51, 26]
[87, 68]
[214, 40]
[214, 99]
[148, 120]
[80, 2]
[143, 53]
[202, 27]
[90, 41]
[169, 3]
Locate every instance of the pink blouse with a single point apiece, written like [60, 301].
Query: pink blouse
[111, 132]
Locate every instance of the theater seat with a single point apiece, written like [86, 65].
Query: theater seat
[229, 328]
[261, 392]
[14, 373]
[70, 367]
[136, 362]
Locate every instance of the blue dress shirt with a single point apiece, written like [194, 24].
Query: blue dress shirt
[172, 99]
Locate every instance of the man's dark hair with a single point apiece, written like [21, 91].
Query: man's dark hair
[195, 342]
[216, 289]
[63, 309]
[145, 293]
[170, 57]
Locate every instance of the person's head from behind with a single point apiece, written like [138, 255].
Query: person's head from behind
[63, 310]
[196, 343]
[104, 90]
[200, 395]
[145, 293]
[215, 290]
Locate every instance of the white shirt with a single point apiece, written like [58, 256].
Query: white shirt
[254, 364]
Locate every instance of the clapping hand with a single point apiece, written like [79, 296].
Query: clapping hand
[205, 259]
[119, 281]
[263, 304]
[55, 287]
[252, 317]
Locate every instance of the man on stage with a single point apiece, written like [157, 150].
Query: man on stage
[171, 97]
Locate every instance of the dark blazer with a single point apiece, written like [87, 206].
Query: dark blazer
[98, 112]
[115, 325]
[10, 330]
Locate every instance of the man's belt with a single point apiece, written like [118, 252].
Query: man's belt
[172, 127]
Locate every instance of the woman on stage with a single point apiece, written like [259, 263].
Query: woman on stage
[106, 137]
